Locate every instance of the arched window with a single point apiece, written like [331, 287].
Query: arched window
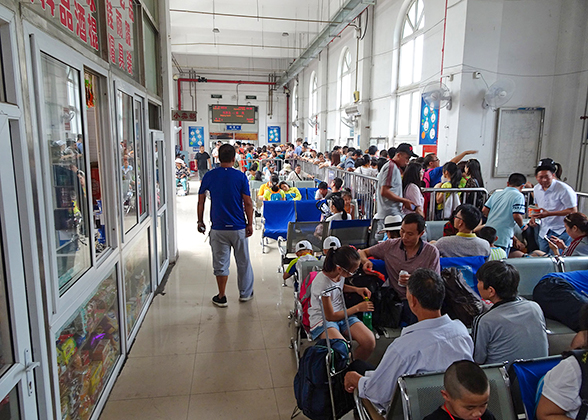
[313, 106]
[345, 96]
[295, 121]
[410, 65]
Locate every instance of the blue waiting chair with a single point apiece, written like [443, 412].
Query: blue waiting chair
[468, 266]
[310, 193]
[302, 193]
[525, 378]
[351, 232]
[277, 215]
[306, 211]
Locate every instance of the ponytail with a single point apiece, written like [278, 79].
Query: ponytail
[344, 257]
[339, 204]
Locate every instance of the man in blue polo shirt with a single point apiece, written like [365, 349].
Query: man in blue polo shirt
[505, 208]
[229, 196]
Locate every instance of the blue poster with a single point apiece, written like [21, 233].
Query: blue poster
[273, 134]
[429, 124]
[196, 136]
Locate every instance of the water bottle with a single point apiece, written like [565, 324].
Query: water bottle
[367, 317]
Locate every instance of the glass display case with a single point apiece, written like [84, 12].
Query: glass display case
[137, 278]
[87, 347]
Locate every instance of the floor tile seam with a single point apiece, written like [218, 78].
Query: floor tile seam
[162, 355]
[227, 351]
[257, 388]
[193, 371]
[142, 397]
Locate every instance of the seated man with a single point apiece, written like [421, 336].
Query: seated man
[298, 174]
[465, 243]
[430, 345]
[406, 253]
[466, 393]
[514, 328]
[336, 185]
[323, 190]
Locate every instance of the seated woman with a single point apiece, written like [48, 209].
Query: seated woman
[560, 397]
[275, 193]
[291, 193]
[447, 202]
[577, 228]
[339, 264]
[338, 210]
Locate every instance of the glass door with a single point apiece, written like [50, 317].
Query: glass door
[17, 385]
[158, 144]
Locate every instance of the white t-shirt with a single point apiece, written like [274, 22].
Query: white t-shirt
[338, 216]
[562, 386]
[320, 283]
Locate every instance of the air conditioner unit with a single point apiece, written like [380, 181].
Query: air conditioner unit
[353, 111]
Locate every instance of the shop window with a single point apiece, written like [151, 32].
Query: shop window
[151, 51]
[151, 6]
[87, 348]
[137, 280]
[128, 158]
[94, 112]
[140, 156]
[69, 180]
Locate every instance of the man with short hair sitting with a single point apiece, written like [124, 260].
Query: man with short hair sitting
[514, 328]
[465, 243]
[430, 345]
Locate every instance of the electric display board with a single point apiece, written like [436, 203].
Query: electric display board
[233, 114]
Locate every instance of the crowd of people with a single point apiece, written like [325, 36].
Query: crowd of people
[513, 328]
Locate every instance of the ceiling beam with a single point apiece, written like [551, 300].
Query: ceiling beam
[346, 14]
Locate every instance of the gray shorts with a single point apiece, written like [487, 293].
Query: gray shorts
[221, 242]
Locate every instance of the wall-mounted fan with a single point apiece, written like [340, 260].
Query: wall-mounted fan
[349, 121]
[498, 94]
[437, 95]
[312, 121]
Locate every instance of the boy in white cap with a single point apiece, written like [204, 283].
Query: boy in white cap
[304, 252]
[331, 242]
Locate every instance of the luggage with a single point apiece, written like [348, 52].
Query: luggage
[560, 301]
[460, 302]
[311, 383]
[305, 288]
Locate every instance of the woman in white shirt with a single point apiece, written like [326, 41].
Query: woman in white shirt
[411, 188]
[338, 209]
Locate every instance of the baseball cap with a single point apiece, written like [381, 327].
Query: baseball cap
[331, 242]
[546, 164]
[303, 245]
[392, 223]
[178, 160]
[406, 148]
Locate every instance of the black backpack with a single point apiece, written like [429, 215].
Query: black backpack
[582, 358]
[560, 301]
[311, 384]
[461, 302]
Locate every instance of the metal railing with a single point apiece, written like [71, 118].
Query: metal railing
[466, 195]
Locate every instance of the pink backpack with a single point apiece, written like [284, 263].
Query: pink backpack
[305, 288]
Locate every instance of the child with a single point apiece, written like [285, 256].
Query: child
[466, 394]
[489, 234]
[346, 196]
[339, 264]
[338, 210]
[275, 193]
[292, 193]
[330, 242]
[303, 253]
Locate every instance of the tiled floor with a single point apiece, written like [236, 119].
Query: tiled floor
[192, 360]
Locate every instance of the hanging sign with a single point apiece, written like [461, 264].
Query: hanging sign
[183, 115]
[233, 128]
[273, 134]
[195, 137]
[429, 123]
[79, 17]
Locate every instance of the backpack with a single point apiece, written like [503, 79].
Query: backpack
[305, 287]
[460, 302]
[560, 301]
[582, 358]
[311, 384]
[387, 304]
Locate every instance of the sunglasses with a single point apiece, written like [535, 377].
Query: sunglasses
[349, 272]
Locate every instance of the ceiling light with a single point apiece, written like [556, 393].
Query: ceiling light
[215, 30]
[285, 34]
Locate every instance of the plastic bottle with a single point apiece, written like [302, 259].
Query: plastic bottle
[367, 317]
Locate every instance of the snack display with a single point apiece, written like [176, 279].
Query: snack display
[87, 348]
[137, 277]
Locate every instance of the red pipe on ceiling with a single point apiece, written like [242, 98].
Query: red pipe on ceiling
[179, 108]
[238, 82]
[287, 117]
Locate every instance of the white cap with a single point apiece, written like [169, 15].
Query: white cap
[303, 245]
[331, 242]
[392, 223]
[178, 160]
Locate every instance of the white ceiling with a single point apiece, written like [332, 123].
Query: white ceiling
[257, 36]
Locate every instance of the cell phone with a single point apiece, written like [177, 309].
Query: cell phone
[548, 240]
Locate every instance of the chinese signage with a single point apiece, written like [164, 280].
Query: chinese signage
[233, 128]
[183, 115]
[196, 136]
[120, 18]
[273, 134]
[429, 121]
[75, 16]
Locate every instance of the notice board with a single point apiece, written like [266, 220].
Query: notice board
[518, 140]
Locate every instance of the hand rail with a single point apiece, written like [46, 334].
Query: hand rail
[464, 191]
